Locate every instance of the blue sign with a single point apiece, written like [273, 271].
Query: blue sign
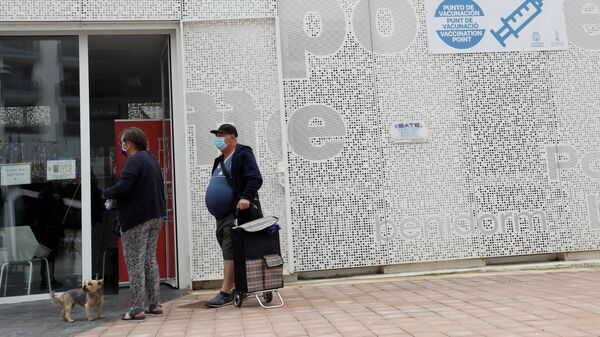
[467, 26]
[461, 28]
[518, 20]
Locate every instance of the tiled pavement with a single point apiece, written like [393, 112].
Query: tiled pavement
[547, 303]
[41, 318]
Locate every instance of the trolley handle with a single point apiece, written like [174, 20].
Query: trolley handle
[235, 217]
[236, 213]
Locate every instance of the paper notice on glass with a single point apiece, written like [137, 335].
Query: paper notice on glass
[61, 169]
[408, 132]
[15, 174]
[3, 253]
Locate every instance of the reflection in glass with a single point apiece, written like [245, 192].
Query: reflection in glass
[40, 186]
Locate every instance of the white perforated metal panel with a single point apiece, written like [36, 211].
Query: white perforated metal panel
[40, 10]
[228, 9]
[427, 186]
[509, 105]
[131, 10]
[575, 162]
[231, 76]
[481, 185]
[334, 155]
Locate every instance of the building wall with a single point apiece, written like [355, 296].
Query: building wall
[486, 184]
[40, 10]
[511, 166]
[129, 10]
[228, 9]
[232, 75]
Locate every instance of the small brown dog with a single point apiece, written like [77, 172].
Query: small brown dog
[89, 296]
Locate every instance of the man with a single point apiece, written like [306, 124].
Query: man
[224, 195]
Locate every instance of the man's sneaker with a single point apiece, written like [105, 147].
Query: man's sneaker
[220, 300]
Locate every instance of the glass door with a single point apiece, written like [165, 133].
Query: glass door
[40, 165]
[166, 160]
[130, 83]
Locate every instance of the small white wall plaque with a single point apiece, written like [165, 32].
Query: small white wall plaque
[408, 132]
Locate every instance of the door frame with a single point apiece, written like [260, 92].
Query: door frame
[178, 130]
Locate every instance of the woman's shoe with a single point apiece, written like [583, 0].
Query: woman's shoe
[132, 315]
[154, 310]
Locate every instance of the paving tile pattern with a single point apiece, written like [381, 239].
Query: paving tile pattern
[518, 304]
[42, 318]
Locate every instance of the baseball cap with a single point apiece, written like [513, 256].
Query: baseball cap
[226, 128]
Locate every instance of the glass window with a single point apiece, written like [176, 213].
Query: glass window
[40, 185]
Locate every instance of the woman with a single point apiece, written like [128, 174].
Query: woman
[139, 194]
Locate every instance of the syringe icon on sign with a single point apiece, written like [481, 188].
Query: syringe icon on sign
[518, 20]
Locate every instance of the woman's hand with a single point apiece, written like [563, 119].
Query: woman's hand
[243, 204]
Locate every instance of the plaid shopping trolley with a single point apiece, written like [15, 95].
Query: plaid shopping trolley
[258, 262]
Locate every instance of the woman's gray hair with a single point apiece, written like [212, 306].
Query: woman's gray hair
[136, 136]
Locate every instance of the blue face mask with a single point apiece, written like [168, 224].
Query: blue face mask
[220, 143]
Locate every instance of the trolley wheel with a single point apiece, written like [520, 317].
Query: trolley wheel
[237, 299]
[268, 296]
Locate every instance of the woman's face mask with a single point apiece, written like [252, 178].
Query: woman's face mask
[123, 150]
[220, 143]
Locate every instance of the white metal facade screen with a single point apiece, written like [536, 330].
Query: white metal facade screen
[130, 10]
[488, 182]
[512, 165]
[232, 75]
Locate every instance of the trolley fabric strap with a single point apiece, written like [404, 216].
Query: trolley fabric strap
[228, 178]
[273, 260]
[255, 210]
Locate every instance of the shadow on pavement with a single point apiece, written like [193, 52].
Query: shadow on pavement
[195, 305]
